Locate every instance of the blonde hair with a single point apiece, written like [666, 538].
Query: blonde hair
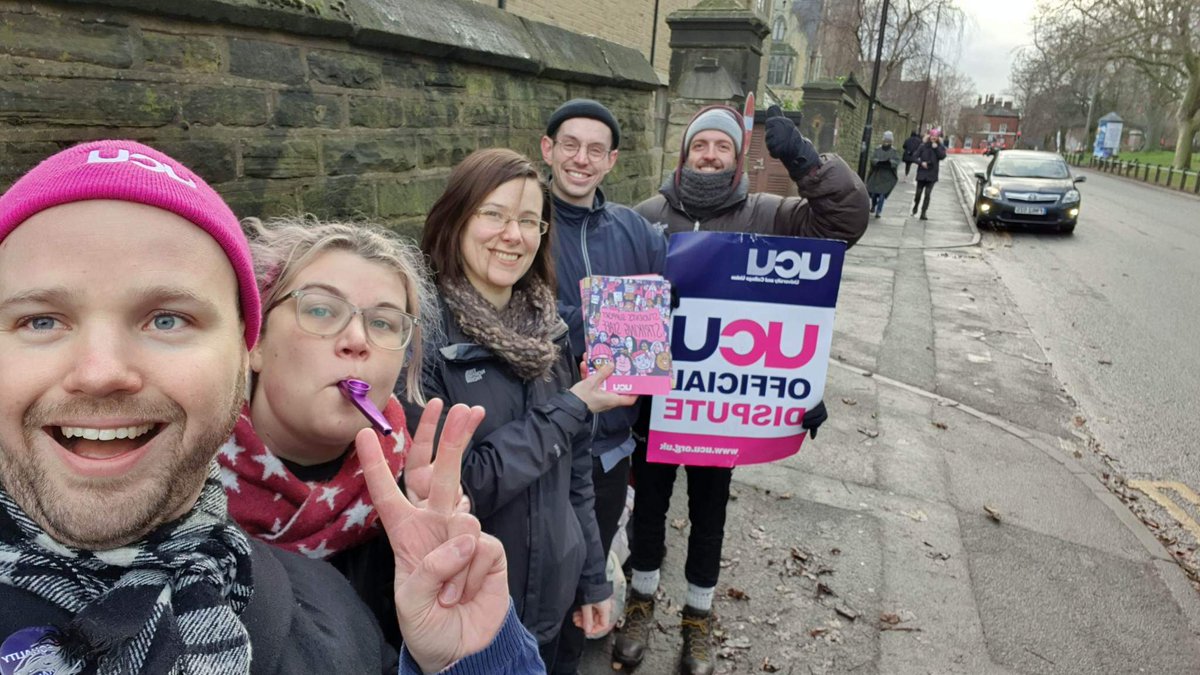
[282, 247]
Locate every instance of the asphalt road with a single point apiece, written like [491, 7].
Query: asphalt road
[1116, 308]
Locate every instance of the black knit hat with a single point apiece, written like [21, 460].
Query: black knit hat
[584, 107]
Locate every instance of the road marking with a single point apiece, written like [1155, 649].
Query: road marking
[1153, 489]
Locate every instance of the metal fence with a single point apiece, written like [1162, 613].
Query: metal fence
[1178, 179]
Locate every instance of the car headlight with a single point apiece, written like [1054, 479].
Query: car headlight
[1071, 196]
[991, 192]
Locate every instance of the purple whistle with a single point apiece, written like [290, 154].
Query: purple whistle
[356, 391]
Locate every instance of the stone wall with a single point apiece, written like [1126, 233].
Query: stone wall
[342, 108]
[625, 22]
[836, 112]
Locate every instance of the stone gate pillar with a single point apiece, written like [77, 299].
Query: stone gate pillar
[716, 57]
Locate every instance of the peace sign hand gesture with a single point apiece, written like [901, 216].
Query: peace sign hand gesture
[419, 463]
[451, 580]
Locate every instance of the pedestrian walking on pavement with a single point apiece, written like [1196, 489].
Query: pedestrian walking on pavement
[929, 157]
[709, 191]
[910, 151]
[881, 179]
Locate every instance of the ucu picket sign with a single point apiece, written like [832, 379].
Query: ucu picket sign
[138, 159]
[765, 343]
[785, 264]
[750, 344]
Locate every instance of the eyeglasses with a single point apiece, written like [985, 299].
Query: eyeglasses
[498, 221]
[326, 315]
[595, 152]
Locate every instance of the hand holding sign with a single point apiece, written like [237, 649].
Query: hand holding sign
[786, 143]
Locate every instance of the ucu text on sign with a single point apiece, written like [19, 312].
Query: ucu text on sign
[765, 343]
[138, 159]
[786, 264]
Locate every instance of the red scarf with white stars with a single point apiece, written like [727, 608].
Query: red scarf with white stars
[310, 518]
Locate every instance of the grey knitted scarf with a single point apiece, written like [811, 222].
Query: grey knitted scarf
[522, 334]
[168, 603]
[703, 193]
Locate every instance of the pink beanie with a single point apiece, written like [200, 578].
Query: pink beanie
[132, 172]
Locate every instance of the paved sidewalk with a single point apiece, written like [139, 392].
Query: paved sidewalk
[947, 519]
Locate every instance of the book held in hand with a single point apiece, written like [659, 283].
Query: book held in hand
[627, 323]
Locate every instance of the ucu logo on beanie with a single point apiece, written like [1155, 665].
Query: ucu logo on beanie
[138, 159]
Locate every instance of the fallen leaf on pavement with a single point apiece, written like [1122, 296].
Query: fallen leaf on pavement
[992, 512]
[799, 555]
[737, 594]
[835, 551]
[679, 523]
[768, 667]
[849, 401]
[824, 589]
[904, 629]
[818, 632]
[738, 643]
[917, 515]
[889, 618]
[941, 425]
[868, 433]
[786, 495]
[847, 612]
[1105, 362]
[1079, 421]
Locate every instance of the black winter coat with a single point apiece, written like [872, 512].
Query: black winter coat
[528, 474]
[910, 147]
[302, 618]
[607, 239]
[932, 157]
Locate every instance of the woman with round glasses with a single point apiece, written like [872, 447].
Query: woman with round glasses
[528, 471]
[339, 301]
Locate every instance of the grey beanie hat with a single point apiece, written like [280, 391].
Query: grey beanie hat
[888, 137]
[720, 120]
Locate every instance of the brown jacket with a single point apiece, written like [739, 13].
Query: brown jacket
[834, 205]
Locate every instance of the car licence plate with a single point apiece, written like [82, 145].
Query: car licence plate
[1029, 210]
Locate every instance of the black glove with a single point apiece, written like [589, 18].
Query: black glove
[786, 144]
[813, 419]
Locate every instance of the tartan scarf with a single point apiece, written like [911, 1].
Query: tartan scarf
[168, 603]
[314, 519]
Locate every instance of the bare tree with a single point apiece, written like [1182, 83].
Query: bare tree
[1161, 38]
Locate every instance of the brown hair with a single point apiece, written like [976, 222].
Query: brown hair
[468, 185]
[282, 247]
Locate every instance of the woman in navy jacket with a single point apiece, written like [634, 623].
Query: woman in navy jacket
[528, 472]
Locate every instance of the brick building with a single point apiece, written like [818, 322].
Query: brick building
[639, 24]
[991, 120]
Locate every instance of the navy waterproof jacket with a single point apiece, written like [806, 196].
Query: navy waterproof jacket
[606, 239]
[528, 474]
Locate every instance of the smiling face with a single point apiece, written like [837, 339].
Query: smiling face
[711, 151]
[495, 260]
[578, 174]
[119, 382]
[297, 408]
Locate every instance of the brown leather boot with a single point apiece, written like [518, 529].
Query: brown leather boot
[634, 638]
[697, 657]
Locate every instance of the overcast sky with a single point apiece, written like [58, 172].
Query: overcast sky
[995, 29]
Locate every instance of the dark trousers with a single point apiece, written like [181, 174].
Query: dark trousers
[877, 200]
[708, 494]
[907, 166]
[925, 186]
[610, 502]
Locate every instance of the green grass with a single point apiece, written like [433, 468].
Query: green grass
[1163, 157]
[1145, 169]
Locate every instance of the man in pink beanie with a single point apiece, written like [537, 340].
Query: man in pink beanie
[128, 306]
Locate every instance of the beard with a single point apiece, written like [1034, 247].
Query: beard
[102, 514]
